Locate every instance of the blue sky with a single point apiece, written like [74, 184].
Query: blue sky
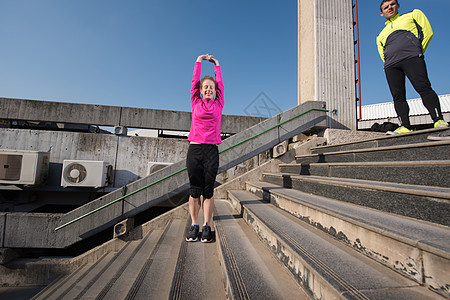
[141, 53]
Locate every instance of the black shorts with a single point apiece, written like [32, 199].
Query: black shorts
[202, 164]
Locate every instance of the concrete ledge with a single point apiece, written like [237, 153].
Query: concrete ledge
[59, 112]
[104, 115]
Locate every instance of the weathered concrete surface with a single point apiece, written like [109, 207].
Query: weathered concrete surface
[134, 154]
[21, 227]
[238, 182]
[61, 145]
[103, 115]
[340, 136]
[59, 112]
[129, 155]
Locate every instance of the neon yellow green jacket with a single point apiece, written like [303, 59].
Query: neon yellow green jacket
[404, 36]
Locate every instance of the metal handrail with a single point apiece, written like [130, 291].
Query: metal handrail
[183, 169]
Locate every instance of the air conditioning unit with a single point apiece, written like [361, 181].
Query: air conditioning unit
[23, 167]
[155, 166]
[85, 173]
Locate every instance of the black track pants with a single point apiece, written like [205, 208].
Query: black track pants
[416, 71]
[202, 164]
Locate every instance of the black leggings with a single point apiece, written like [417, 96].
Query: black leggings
[416, 71]
[202, 164]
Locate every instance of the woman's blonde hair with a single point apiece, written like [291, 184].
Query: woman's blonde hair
[208, 78]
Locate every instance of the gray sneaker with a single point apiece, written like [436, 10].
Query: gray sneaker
[193, 234]
[207, 236]
[441, 136]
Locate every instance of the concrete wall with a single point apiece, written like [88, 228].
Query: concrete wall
[103, 115]
[326, 58]
[129, 155]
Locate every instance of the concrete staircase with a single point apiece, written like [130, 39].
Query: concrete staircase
[362, 220]
[366, 220]
[155, 262]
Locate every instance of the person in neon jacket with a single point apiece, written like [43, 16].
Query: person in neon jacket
[402, 44]
[202, 160]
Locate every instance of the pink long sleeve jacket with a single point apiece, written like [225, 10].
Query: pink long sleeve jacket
[206, 115]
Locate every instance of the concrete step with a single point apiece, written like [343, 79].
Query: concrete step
[70, 285]
[420, 202]
[133, 266]
[110, 273]
[412, 152]
[251, 271]
[158, 269]
[419, 250]
[419, 136]
[198, 273]
[432, 173]
[326, 268]
[125, 274]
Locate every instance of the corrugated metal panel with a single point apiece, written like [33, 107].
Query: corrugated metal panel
[335, 61]
[386, 110]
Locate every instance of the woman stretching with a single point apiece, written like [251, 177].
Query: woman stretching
[203, 156]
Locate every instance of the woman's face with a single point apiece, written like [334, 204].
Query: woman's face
[208, 89]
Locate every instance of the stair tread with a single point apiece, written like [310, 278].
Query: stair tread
[424, 132]
[432, 191]
[88, 275]
[412, 152]
[380, 148]
[140, 267]
[107, 275]
[348, 271]
[260, 276]
[433, 237]
[123, 281]
[157, 272]
[198, 272]
[375, 163]
[69, 286]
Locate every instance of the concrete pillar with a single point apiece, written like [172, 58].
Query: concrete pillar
[326, 60]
